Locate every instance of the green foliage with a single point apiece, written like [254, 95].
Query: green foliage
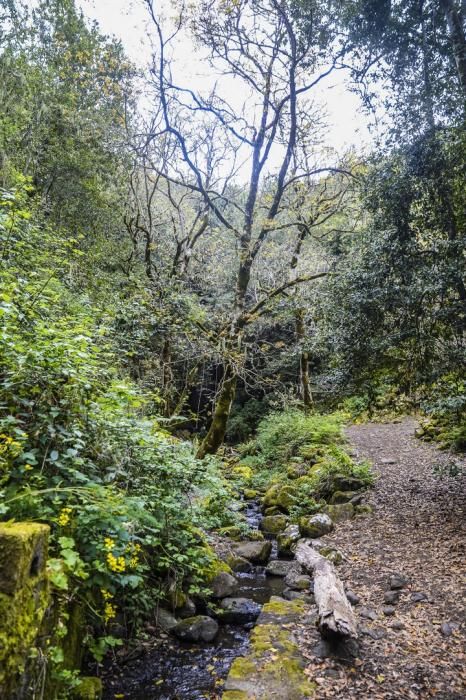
[244, 419]
[280, 435]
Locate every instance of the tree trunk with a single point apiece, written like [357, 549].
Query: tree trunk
[305, 388]
[216, 433]
[455, 19]
[167, 377]
[336, 618]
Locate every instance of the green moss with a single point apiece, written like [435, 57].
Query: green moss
[235, 695]
[284, 607]
[24, 597]
[89, 688]
[242, 667]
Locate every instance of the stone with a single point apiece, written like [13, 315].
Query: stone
[270, 498]
[250, 494]
[265, 676]
[239, 564]
[447, 628]
[332, 554]
[287, 497]
[419, 597]
[255, 552]
[238, 611]
[223, 585]
[368, 613]
[89, 688]
[297, 581]
[398, 581]
[278, 567]
[294, 471]
[272, 510]
[388, 461]
[388, 610]
[287, 539]
[342, 482]
[315, 526]
[200, 628]
[290, 594]
[353, 598]
[273, 524]
[373, 632]
[397, 625]
[188, 609]
[391, 597]
[363, 509]
[340, 512]
[344, 497]
[165, 620]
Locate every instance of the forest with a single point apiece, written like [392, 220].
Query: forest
[232, 351]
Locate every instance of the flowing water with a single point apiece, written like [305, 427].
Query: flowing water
[184, 671]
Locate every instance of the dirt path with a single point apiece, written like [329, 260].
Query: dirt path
[418, 529]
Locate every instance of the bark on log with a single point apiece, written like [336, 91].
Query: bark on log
[336, 617]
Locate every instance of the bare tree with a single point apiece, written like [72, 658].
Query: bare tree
[256, 44]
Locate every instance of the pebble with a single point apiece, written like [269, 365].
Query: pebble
[391, 597]
[447, 628]
[368, 613]
[397, 625]
[419, 597]
[398, 581]
[388, 610]
[353, 598]
[373, 632]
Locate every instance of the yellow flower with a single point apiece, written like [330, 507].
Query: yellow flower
[64, 517]
[117, 564]
[109, 543]
[109, 611]
[28, 467]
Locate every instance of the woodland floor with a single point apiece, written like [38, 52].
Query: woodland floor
[417, 529]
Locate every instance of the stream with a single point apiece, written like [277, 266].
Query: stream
[176, 670]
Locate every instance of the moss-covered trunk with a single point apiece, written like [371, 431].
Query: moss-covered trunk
[216, 433]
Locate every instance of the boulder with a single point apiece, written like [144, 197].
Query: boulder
[340, 512]
[239, 611]
[342, 482]
[278, 567]
[165, 620]
[239, 564]
[306, 596]
[270, 498]
[298, 581]
[200, 628]
[255, 552]
[273, 524]
[223, 585]
[188, 609]
[287, 497]
[272, 510]
[294, 471]
[345, 497]
[315, 526]
[287, 539]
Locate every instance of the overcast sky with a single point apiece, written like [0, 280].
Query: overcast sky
[127, 20]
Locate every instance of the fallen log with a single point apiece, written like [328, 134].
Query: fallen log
[336, 618]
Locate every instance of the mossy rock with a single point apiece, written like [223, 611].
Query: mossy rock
[344, 497]
[239, 564]
[24, 598]
[272, 510]
[89, 688]
[255, 535]
[363, 510]
[287, 497]
[255, 552]
[287, 539]
[274, 668]
[316, 525]
[273, 524]
[250, 494]
[311, 453]
[270, 498]
[231, 531]
[340, 512]
[294, 471]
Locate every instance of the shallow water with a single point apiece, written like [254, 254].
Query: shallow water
[183, 671]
